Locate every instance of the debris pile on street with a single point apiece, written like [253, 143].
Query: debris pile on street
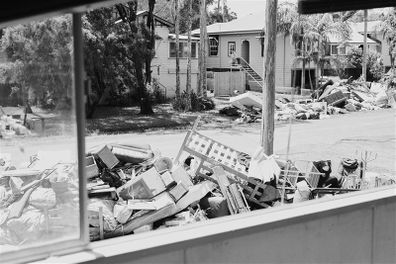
[133, 188]
[329, 99]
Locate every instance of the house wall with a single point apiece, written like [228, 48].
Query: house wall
[164, 68]
[283, 57]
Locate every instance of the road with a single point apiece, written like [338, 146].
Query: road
[333, 138]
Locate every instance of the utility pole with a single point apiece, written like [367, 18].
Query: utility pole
[267, 130]
[364, 60]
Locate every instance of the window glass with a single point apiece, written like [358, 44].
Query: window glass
[342, 50]
[213, 46]
[182, 49]
[39, 202]
[334, 50]
[231, 48]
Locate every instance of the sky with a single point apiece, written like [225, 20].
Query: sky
[245, 7]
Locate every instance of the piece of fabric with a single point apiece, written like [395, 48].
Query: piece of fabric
[263, 167]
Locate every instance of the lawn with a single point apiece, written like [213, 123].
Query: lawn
[109, 120]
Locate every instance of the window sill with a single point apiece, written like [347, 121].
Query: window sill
[151, 242]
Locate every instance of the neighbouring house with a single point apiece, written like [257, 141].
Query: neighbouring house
[163, 65]
[242, 39]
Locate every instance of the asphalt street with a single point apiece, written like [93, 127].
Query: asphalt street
[333, 138]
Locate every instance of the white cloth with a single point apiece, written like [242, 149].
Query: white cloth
[263, 167]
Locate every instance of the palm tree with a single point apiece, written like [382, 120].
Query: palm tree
[388, 29]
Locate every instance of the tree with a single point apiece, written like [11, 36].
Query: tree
[221, 14]
[201, 89]
[189, 24]
[137, 50]
[388, 29]
[375, 66]
[177, 15]
[40, 59]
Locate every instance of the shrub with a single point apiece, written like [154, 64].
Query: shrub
[375, 66]
[192, 102]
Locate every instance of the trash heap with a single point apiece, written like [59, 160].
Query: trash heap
[11, 126]
[37, 203]
[329, 99]
[133, 188]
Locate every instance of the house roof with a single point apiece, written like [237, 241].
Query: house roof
[354, 38]
[156, 18]
[251, 23]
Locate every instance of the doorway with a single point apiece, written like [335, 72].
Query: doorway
[245, 51]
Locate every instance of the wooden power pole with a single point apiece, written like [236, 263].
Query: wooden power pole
[267, 130]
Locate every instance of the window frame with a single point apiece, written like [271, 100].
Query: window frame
[183, 45]
[331, 49]
[47, 248]
[231, 44]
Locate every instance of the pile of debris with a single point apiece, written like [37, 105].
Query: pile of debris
[132, 188]
[329, 99]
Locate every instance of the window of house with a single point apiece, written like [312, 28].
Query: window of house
[231, 48]
[342, 50]
[334, 49]
[183, 49]
[213, 46]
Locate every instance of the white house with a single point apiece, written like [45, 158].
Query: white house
[244, 37]
[163, 65]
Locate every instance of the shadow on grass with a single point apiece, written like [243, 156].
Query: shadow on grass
[127, 119]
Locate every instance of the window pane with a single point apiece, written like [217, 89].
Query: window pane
[172, 49]
[334, 49]
[193, 50]
[38, 146]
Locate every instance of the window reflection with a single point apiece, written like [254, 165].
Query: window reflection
[38, 146]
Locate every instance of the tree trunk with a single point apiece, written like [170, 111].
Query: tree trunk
[309, 75]
[189, 28]
[151, 43]
[268, 125]
[137, 58]
[202, 51]
[317, 72]
[303, 67]
[177, 22]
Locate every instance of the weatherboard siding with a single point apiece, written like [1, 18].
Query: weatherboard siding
[164, 68]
